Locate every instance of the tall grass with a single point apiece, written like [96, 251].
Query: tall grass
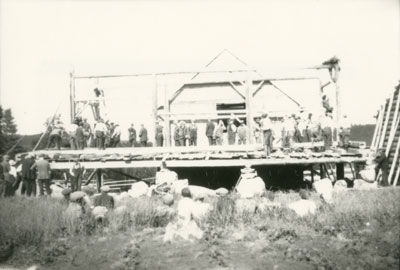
[31, 221]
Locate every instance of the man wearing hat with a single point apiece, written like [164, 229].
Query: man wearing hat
[77, 171]
[159, 134]
[182, 133]
[143, 136]
[87, 132]
[327, 133]
[242, 133]
[266, 127]
[383, 165]
[210, 132]
[231, 130]
[55, 135]
[132, 135]
[100, 131]
[193, 133]
[66, 193]
[29, 175]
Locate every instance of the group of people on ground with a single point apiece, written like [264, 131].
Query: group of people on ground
[29, 174]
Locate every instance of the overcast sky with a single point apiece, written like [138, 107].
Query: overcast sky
[42, 41]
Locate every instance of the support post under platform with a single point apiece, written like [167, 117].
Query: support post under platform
[98, 179]
[340, 171]
[322, 173]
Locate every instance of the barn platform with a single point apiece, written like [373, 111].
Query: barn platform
[210, 166]
[210, 156]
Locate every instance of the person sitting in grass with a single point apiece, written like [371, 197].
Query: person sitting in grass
[66, 194]
[104, 199]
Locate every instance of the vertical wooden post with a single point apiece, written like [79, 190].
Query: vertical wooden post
[312, 173]
[249, 115]
[338, 100]
[72, 95]
[377, 127]
[155, 104]
[387, 116]
[99, 174]
[340, 171]
[395, 123]
[322, 173]
[167, 122]
[393, 165]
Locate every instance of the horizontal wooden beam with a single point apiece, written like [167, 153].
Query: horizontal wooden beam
[206, 163]
[205, 71]
[189, 72]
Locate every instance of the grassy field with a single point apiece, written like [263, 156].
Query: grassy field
[360, 230]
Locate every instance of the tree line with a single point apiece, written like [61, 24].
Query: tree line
[9, 139]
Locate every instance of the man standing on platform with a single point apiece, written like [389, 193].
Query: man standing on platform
[326, 104]
[231, 130]
[55, 136]
[132, 135]
[143, 136]
[219, 133]
[298, 130]
[100, 131]
[116, 135]
[110, 135]
[187, 134]
[159, 134]
[77, 171]
[344, 133]
[182, 133]
[193, 133]
[176, 133]
[87, 132]
[327, 125]
[80, 137]
[257, 130]
[242, 133]
[29, 175]
[72, 135]
[307, 133]
[43, 174]
[266, 127]
[210, 132]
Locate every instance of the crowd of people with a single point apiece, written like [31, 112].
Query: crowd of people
[32, 175]
[284, 131]
[104, 134]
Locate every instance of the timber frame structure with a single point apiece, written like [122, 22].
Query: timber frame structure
[252, 88]
[212, 157]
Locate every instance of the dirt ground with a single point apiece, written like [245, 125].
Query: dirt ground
[225, 249]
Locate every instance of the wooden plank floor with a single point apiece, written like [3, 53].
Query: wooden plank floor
[151, 157]
[206, 163]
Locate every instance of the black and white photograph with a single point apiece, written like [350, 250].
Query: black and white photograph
[200, 134]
